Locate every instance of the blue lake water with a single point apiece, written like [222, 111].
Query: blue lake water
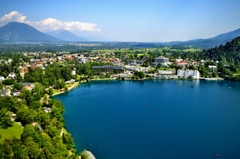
[155, 119]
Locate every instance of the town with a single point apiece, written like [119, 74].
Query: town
[99, 65]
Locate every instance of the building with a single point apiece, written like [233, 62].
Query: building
[16, 93]
[108, 68]
[12, 75]
[135, 62]
[70, 81]
[179, 60]
[182, 64]
[166, 74]
[39, 64]
[5, 92]
[162, 60]
[82, 60]
[2, 78]
[188, 73]
[212, 68]
[23, 71]
[47, 110]
[73, 71]
[28, 88]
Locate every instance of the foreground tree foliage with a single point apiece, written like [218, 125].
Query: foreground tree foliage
[42, 135]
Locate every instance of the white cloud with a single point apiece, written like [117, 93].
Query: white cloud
[118, 32]
[13, 16]
[238, 12]
[49, 24]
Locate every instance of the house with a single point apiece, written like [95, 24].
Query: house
[12, 75]
[69, 57]
[135, 62]
[165, 72]
[28, 84]
[70, 81]
[188, 73]
[39, 64]
[139, 62]
[16, 93]
[179, 60]
[2, 78]
[47, 110]
[154, 64]
[74, 71]
[28, 88]
[182, 64]
[32, 67]
[23, 71]
[212, 68]
[145, 69]
[131, 68]
[5, 92]
[131, 62]
[81, 60]
[10, 60]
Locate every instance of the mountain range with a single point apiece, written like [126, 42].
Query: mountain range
[211, 42]
[66, 36]
[21, 32]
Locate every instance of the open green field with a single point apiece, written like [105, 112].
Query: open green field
[15, 131]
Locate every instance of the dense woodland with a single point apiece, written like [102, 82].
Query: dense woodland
[34, 142]
[43, 134]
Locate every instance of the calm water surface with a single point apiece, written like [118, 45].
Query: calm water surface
[156, 119]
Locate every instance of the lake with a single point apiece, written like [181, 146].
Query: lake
[155, 119]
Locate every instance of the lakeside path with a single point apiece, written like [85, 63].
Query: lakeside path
[70, 88]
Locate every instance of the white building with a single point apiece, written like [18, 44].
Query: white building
[179, 60]
[165, 72]
[73, 71]
[12, 75]
[212, 68]
[82, 60]
[187, 73]
[2, 78]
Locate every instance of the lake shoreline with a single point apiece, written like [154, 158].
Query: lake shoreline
[70, 88]
[80, 82]
[134, 96]
[76, 84]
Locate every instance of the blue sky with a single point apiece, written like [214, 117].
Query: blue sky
[128, 20]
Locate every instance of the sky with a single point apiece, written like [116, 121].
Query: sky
[127, 20]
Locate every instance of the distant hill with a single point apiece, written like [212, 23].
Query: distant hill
[20, 32]
[211, 42]
[66, 36]
[229, 52]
